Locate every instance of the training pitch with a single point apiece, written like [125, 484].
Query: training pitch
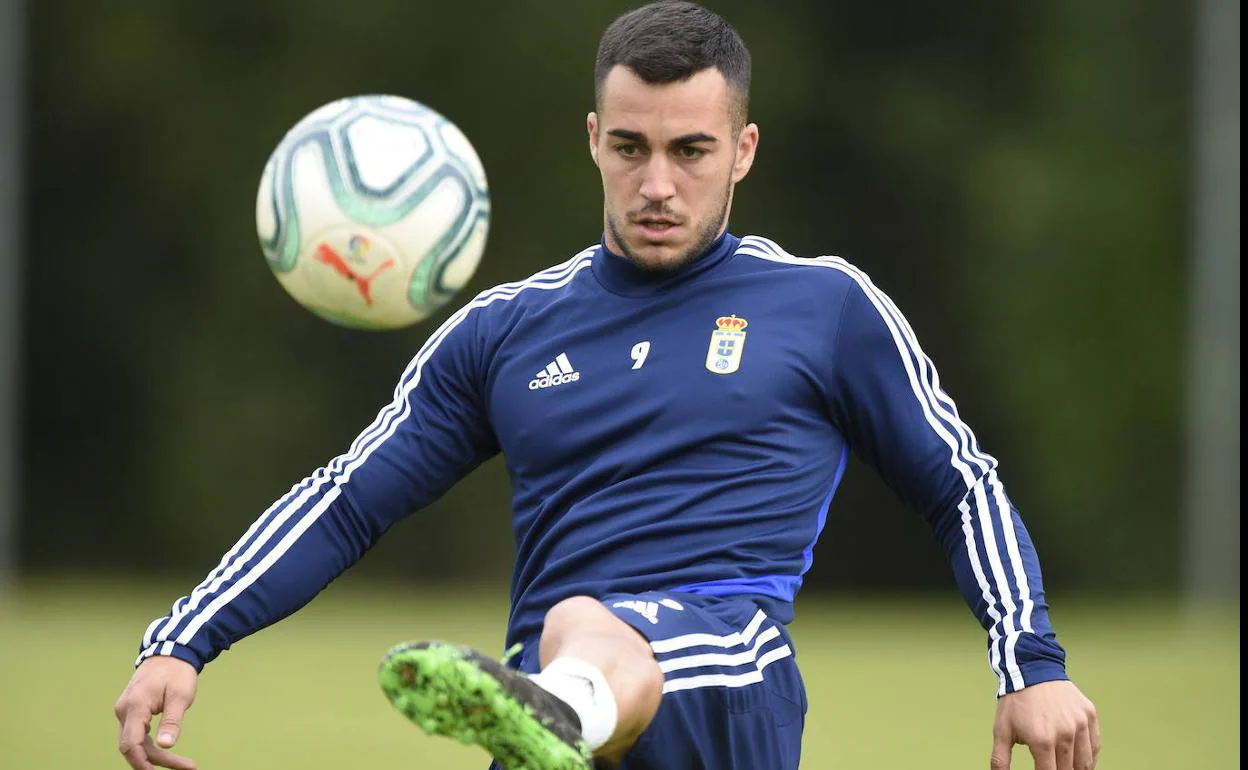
[894, 683]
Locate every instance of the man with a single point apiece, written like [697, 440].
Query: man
[673, 459]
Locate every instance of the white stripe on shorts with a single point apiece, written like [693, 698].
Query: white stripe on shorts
[729, 680]
[750, 642]
[720, 658]
[736, 639]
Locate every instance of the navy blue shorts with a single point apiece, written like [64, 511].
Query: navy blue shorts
[732, 696]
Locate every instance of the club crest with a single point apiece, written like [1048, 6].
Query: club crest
[727, 342]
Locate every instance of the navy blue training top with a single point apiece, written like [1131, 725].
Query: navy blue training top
[681, 431]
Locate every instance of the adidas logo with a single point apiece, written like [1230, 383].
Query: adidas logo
[648, 610]
[557, 372]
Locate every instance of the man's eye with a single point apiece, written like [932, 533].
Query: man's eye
[628, 150]
[691, 153]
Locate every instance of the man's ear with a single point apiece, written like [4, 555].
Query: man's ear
[591, 128]
[747, 145]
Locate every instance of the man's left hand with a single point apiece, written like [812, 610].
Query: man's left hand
[1054, 720]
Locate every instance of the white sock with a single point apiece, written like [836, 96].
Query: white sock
[584, 687]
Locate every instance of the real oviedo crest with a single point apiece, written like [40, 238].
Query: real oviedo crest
[727, 341]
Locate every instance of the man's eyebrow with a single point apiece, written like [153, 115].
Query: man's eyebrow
[624, 133]
[680, 141]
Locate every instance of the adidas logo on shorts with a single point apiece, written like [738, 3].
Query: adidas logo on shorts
[649, 610]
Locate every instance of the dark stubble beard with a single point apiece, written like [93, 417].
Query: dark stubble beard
[707, 234]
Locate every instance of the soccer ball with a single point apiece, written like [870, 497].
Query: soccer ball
[373, 211]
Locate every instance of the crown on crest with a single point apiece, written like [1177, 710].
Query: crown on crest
[731, 323]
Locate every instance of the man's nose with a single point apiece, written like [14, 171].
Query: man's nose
[657, 183]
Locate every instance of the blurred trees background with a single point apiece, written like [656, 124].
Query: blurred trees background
[1014, 175]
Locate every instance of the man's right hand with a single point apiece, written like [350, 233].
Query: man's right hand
[160, 685]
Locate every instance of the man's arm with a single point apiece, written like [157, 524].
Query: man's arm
[433, 432]
[430, 435]
[887, 400]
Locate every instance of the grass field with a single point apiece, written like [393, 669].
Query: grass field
[893, 683]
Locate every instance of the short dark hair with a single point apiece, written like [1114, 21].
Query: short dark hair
[672, 40]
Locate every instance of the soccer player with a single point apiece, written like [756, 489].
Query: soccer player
[676, 406]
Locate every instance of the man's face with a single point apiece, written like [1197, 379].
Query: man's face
[669, 159]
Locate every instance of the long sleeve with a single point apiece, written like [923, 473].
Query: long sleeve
[429, 436]
[887, 400]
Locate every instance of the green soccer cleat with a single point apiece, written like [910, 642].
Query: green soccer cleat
[454, 691]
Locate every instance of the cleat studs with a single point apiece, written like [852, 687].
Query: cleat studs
[407, 674]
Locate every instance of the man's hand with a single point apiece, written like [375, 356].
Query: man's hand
[161, 685]
[1054, 720]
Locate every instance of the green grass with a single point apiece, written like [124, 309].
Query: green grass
[893, 683]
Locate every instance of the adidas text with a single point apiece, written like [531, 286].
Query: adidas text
[550, 381]
[557, 372]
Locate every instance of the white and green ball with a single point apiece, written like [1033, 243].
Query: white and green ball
[373, 211]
